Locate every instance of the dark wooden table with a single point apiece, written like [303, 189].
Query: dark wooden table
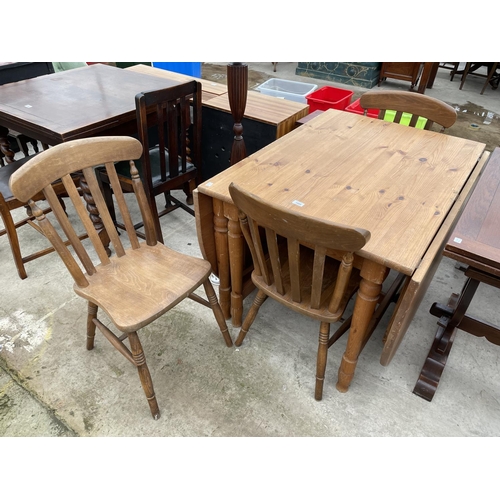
[475, 242]
[83, 102]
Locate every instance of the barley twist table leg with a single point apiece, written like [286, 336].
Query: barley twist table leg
[5, 148]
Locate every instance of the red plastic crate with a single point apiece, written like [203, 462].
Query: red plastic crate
[329, 98]
[355, 107]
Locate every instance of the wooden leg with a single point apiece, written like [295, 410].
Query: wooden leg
[236, 257]
[366, 301]
[144, 375]
[250, 317]
[324, 333]
[219, 315]
[489, 77]
[464, 74]
[451, 316]
[92, 313]
[10, 229]
[222, 250]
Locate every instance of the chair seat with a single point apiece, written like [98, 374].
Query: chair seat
[306, 270]
[6, 172]
[123, 168]
[140, 286]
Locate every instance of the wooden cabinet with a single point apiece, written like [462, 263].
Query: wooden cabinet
[407, 71]
[266, 119]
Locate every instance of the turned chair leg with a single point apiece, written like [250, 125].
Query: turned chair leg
[249, 319]
[92, 313]
[324, 334]
[144, 375]
[219, 315]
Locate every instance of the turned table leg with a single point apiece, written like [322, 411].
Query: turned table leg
[222, 251]
[373, 276]
[236, 253]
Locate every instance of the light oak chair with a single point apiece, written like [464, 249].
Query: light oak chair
[292, 264]
[142, 281]
[418, 105]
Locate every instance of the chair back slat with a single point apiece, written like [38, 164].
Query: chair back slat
[294, 266]
[122, 205]
[248, 238]
[317, 276]
[173, 138]
[93, 183]
[83, 155]
[56, 241]
[68, 229]
[398, 116]
[144, 207]
[85, 219]
[292, 263]
[259, 250]
[343, 276]
[272, 245]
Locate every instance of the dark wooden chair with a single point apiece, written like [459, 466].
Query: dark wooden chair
[141, 281]
[418, 105]
[9, 203]
[169, 128]
[290, 254]
[472, 68]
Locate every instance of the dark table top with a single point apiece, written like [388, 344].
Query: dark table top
[72, 104]
[475, 240]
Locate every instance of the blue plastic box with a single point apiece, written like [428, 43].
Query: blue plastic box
[186, 68]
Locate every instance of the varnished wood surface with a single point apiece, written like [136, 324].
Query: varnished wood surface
[476, 238]
[77, 103]
[209, 89]
[268, 109]
[417, 285]
[397, 182]
[476, 243]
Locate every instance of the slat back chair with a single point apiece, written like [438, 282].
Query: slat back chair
[289, 253]
[169, 128]
[9, 204]
[142, 280]
[418, 105]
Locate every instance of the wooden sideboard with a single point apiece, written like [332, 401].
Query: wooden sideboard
[266, 119]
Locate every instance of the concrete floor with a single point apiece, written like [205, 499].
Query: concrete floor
[50, 385]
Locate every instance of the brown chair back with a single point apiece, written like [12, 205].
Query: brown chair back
[169, 128]
[284, 242]
[419, 105]
[61, 162]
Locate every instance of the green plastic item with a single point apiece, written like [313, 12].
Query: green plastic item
[63, 66]
[405, 119]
